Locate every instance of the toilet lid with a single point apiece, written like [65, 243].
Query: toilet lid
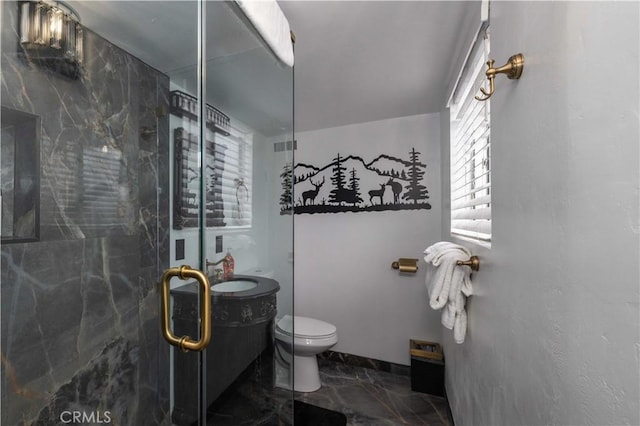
[305, 327]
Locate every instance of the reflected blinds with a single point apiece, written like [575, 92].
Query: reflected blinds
[230, 178]
[227, 170]
[471, 152]
[104, 197]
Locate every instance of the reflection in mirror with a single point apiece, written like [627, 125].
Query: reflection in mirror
[228, 167]
[20, 176]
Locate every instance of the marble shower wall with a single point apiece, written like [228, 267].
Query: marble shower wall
[80, 307]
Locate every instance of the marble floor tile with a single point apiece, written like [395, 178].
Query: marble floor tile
[366, 396]
[371, 397]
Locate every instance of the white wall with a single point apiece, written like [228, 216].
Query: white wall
[280, 237]
[343, 261]
[554, 325]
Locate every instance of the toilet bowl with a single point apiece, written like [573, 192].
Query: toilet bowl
[300, 339]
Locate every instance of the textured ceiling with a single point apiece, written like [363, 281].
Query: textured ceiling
[369, 60]
[355, 61]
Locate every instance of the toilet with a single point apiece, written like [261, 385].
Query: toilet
[309, 337]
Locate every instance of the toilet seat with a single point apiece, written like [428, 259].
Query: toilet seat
[301, 339]
[307, 328]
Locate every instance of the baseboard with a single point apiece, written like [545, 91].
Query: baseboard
[360, 361]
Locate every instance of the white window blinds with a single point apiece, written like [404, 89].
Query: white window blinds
[470, 166]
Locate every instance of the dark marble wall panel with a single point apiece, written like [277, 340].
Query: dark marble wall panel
[7, 156]
[79, 326]
[90, 134]
[63, 302]
[164, 197]
[89, 392]
[147, 110]
[148, 213]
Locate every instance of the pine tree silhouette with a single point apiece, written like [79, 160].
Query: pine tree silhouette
[338, 179]
[355, 188]
[353, 181]
[286, 198]
[415, 191]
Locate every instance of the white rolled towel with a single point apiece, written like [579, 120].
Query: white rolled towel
[454, 317]
[450, 285]
[444, 255]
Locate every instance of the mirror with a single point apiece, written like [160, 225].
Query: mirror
[20, 155]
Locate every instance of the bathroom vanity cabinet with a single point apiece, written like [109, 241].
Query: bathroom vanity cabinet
[242, 330]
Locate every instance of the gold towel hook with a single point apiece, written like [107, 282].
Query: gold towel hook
[513, 69]
[473, 263]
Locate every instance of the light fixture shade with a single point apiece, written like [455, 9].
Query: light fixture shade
[70, 37]
[43, 24]
[56, 17]
[51, 35]
[25, 23]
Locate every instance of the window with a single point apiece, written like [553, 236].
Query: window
[470, 167]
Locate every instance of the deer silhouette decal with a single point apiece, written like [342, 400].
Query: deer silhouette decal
[377, 193]
[312, 193]
[396, 188]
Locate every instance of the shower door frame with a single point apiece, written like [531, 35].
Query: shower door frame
[197, 365]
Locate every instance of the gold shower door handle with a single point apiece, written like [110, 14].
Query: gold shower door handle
[185, 343]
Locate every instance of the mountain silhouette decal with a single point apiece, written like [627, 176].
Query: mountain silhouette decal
[350, 184]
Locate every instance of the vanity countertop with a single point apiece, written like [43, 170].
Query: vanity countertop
[265, 287]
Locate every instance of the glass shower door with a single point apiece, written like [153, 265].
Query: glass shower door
[86, 211]
[247, 243]
[138, 137]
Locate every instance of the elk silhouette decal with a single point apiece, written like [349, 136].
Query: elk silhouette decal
[396, 188]
[313, 193]
[337, 185]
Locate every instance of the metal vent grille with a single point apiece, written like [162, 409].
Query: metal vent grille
[285, 146]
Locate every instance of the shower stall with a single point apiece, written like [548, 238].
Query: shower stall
[144, 145]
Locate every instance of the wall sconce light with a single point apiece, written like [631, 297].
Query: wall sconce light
[51, 34]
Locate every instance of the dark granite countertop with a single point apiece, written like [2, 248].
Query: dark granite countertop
[265, 287]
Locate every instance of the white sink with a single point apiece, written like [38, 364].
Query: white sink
[234, 286]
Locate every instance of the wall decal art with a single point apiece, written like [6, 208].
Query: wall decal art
[286, 199]
[350, 184]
